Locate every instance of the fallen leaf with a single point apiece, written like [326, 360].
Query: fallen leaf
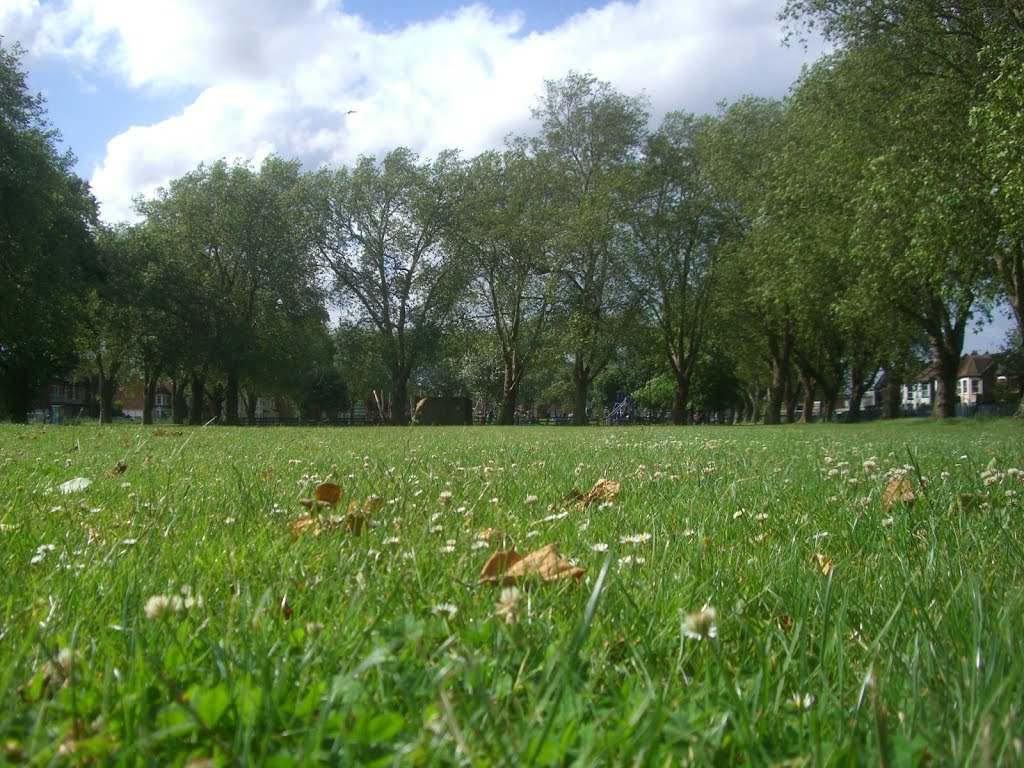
[328, 494]
[602, 490]
[327, 497]
[898, 491]
[825, 564]
[498, 563]
[509, 567]
[120, 469]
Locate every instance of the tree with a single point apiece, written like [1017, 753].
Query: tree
[380, 232]
[503, 230]
[927, 211]
[589, 137]
[740, 147]
[47, 255]
[675, 232]
[243, 268]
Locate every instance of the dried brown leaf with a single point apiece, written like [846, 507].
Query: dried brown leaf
[498, 563]
[509, 567]
[300, 525]
[602, 490]
[119, 469]
[328, 492]
[898, 491]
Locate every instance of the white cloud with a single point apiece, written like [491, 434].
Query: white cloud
[282, 77]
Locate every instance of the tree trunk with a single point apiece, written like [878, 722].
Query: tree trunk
[400, 397]
[680, 401]
[106, 399]
[231, 400]
[776, 392]
[507, 411]
[856, 396]
[829, 395]
[509, 395]
[892, 396]
[217, 402]
[581, 384]
[148, 399]
[809, 389]
[195, 408]
[179, 406]
[947, 366]
[251, 400]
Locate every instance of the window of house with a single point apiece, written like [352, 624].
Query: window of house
[163, 398]
[975, 386]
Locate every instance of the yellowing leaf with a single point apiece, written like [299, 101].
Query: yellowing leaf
[509, 567]
[898, 491]
[825, 564]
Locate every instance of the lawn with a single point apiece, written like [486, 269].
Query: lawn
[750, 595]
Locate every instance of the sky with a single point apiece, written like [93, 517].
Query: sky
[145, 90]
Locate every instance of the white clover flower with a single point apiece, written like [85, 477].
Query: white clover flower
[446, 608]
[531, 499]
[636, 538]
[558, 516]
[445, 497]
[599, 547]
[156, 606]
[701, 625]
[507, 607]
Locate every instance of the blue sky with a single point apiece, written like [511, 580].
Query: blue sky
[145, 90]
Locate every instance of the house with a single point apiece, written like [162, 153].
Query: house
[132, 399]
[64, 399]
[977, 377]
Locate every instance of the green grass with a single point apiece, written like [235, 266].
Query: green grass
[384, 649]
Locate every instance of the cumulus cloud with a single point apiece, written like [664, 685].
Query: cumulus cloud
[284, 77]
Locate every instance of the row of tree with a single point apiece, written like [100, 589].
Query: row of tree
[771, 252]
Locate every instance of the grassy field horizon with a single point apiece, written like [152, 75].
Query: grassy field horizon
[819, 594]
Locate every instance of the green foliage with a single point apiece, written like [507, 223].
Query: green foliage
[47, 259]
[379, 230]
[167, 615]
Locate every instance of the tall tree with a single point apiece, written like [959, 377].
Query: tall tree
[927, 211]
[503, 229]
[47, 253]
[740, 148]
[676, 231]
[590, 134]
[244, 257]
[380, 232]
